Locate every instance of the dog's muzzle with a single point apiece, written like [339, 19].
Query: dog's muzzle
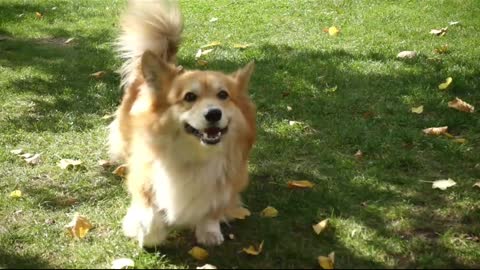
[210, 135]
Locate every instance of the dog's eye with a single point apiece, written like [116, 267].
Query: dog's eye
[222, 95]
[190, 97]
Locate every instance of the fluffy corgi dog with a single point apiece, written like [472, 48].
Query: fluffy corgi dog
[185, 135]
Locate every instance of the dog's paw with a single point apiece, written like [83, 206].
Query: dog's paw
[209, 233]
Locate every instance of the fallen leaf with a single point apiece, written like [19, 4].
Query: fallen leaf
[251, 250]
[300, 184]
[38, 15]
[79, 226]
[291, 123]
[461, 105]
[241, 46]
[327, 262]
[333, 31]
[443, 184]
[358, 155]
[321, 226]
[105, 163]
[211, 44]
[269, 212]
[214, 19]
[238, 213]
[122, 263]
[477, 185]
[446, 84]
[207, 266]
[34, 160]
[441, 50]
[231, 236]
[201, 52]
[17, 151]
[198, 253]
[54, 8]
[16, 194]
[121, 170]
[108, 116]
[439, 32]
[460, 140]
[417, 110]
[407, 55]
[26, 155]
[202, 63]
[98, 75]
[436, 130]
[69, 163]
[453, 23]
[289, 108]
[69, 40]
[285, 94]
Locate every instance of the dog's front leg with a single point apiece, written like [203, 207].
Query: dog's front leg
[146, 224]
[208, 232]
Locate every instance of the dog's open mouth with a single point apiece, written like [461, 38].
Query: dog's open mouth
[210, 135]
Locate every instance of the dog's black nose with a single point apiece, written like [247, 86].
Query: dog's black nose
[213, 115]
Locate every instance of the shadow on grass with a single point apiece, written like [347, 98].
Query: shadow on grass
[15, 261]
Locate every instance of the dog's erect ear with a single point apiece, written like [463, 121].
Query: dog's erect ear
[242, 76]
[156, 71]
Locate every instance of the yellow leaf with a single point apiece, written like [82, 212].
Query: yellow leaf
[202, 63]
[269, 212]
[436, 130]
[211, 44]
[121, 170]
[108, 116]
[461, 105]
[38, 15]
[443, 184]
[241, 46]
[441, 50]
[448, 135]
[69, 163]
[460, 140]
[16, 194]
[446, 84]
[418, 109]
[79, 226]
[17, 152]
[251, 250]
[98, 75]
[300, 184]
[122, 263]
[33, 160]
[321, 226]
[198, 253]
[333, 31]
[238, 213]
[327, 262]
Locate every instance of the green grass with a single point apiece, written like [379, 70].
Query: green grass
[349, 93]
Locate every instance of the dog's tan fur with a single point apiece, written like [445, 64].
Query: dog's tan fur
[173, 178]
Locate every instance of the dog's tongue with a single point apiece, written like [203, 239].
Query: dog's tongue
[212, 131]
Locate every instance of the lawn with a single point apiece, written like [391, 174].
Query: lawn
[346, 93]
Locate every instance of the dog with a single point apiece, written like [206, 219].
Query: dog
[186, 135]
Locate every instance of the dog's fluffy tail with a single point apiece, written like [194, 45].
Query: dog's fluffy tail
[154, 25]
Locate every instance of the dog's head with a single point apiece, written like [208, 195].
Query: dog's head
[206, 106]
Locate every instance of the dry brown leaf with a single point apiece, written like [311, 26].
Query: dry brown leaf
[407, 55]
[269, 212]
[461, 105]
[417, 110]
[121, 170]
[251, 250]
[198, 253]
[358, 155]
[122, 263]
[98, 74]
[446, 84]
[38, 15]
[16, 194]
[443, 184]
[327, 262]
[34, 160]
[17, 151]
[439, 32]
[69, 163]
[300, 184]
[321, 226]
[79, 226]
[436, 130]
[238, 213]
